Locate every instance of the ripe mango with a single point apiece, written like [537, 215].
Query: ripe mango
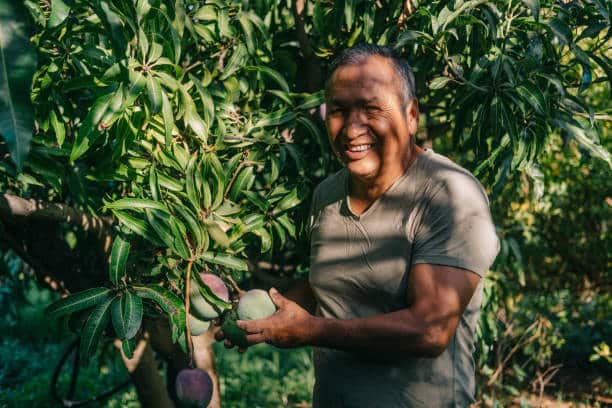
[200, 308]
[194, 387]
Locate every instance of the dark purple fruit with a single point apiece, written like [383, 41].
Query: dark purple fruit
[194, 387]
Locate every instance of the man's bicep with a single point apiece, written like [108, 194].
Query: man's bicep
[439, 294]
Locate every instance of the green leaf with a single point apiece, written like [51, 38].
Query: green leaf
[272, 74]
[137, 226]
[438, 82]
[242, 183]
[17, 65]
[128, 347]
[89, 131]
[93, 329]
[534, 6]
[216, 233]
[584, 140]
[266, 239]
[155, 93]
[168, 301]
[78, 301]
[129, 203]
[532, 94]
[126, 312]
[58, 128]
[275, 119]
[235, 62]
[207, 102]
[228, 261]
[249, 37]
[209, 295]
[561, 30]
[168, 119]
[118, 259]
[289, 201]
[312, 101]
[349, 13]
[59, 12]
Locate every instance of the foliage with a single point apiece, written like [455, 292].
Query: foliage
[193, 125]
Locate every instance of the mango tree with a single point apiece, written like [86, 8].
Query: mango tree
[162, 140]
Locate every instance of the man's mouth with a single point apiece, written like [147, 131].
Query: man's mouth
[359, 148]
[356, 152]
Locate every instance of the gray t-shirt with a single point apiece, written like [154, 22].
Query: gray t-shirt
[436, 213]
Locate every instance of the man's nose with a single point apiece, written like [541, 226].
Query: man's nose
[354, 124]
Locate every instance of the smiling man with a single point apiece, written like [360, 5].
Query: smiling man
[400, 240]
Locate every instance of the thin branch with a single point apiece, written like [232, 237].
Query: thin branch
[187, 297]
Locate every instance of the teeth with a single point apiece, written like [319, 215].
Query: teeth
[360, 148]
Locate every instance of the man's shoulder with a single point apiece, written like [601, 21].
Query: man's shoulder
[446, 175]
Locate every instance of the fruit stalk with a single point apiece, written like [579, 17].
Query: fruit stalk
[188, 336]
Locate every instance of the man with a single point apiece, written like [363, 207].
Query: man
[400, 240]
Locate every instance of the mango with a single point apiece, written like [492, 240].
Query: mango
[194, 387]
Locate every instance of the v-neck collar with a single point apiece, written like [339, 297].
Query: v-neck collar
[375, 203]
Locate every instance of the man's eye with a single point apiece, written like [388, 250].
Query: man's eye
[372, 108]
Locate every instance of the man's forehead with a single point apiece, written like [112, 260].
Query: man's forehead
[371, 73]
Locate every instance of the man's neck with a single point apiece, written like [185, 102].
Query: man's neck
[364, 191]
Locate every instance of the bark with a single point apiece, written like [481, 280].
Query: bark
[177, 359]
[144, 372]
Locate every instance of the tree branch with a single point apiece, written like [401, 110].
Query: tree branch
[312, 70]
[15, 206]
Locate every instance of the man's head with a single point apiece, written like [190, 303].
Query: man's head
[372, 112]
[361, 52]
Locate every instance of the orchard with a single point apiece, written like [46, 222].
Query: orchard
[157, 159]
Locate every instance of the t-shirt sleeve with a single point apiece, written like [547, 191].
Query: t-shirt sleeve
[456, 228]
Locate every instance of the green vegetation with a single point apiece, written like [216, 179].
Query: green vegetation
[168, 138]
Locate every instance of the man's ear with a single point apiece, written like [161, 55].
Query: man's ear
[412, 116]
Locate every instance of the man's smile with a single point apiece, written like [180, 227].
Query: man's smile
[358, 151]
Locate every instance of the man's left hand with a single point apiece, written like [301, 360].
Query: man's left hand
[290, 326]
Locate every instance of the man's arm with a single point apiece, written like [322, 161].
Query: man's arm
[437, 297]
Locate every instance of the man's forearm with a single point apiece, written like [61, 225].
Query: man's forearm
[399, 332]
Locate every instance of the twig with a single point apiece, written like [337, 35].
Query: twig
[187, 291]
[518, 345]
[234, 284]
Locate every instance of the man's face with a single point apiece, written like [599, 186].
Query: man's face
[366, 125]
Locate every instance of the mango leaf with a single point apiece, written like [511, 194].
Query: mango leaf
[89, 131]
[128, 347]
[534, 6]
[228, 261]
[93, 329]
[59, 12]
[584, 140]
[17, 65]
[129, 203]
[137, 226]
[78, 301]
[126, 312]
[532, 94]
[171, 304]
[208, 294]
[118, 259]
[235, 62]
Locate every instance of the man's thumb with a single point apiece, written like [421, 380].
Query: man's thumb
[278, 299]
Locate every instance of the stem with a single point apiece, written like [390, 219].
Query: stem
[234, 284]
[187, 288]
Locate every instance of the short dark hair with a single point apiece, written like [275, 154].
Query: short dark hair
[359, 53]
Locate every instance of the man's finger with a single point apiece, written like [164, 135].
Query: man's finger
[279, 300]
[255, 338]
[251, 326]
